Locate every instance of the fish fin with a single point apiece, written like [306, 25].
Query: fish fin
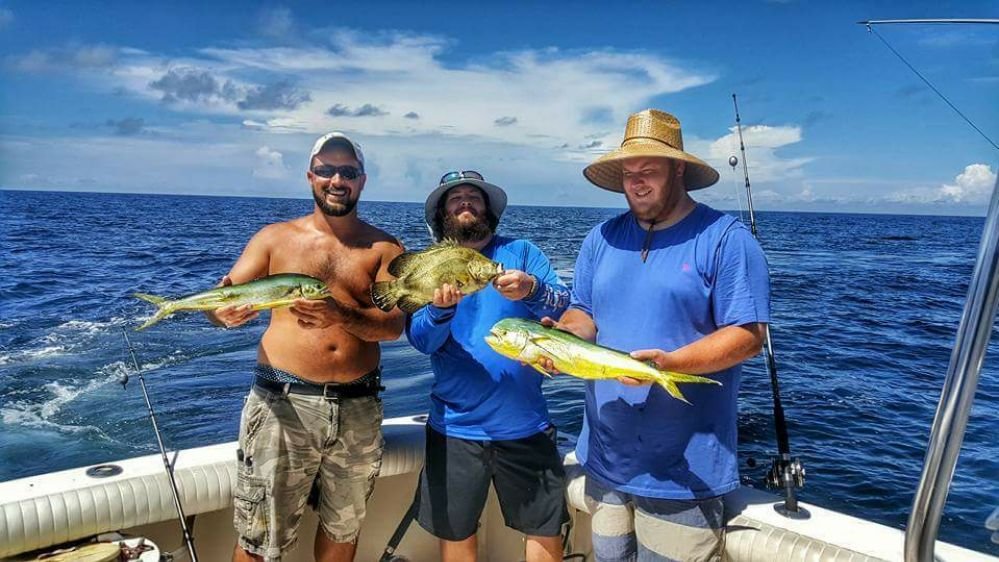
[402, 263]
[163, 308]
[680, 377]
[538, 368]
[410, 304]
[150, 298]
[384, 295]
[674, 391]
[161, 313]
[668, 380]
[545, 343]
[446, 243]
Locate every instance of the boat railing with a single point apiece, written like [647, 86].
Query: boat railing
[951, 420]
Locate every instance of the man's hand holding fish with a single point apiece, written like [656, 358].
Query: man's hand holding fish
[313, 314]
[447, 296]
[234, 315]
[515, 284]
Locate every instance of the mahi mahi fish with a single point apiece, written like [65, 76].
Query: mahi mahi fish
[419, 273]
[528, 341]
[272, 291]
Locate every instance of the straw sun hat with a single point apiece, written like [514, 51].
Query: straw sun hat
[650, 133]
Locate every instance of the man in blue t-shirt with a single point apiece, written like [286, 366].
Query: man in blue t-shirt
[488, 419]
[685, 287]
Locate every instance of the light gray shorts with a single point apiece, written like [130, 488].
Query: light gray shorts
[288, 443]
[633, 528]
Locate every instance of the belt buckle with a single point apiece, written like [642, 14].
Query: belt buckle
[335, 396]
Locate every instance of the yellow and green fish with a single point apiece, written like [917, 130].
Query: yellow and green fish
[272, 291]
[528, 341]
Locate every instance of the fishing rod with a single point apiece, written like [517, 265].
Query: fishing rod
[785, 471]
[188, 539]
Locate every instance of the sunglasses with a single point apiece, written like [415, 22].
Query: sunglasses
[345, 172]
[467, 174]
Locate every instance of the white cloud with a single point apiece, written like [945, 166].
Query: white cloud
[972, 186]
[551, 93]
[762, 143]
[560, 108]
[270, 164]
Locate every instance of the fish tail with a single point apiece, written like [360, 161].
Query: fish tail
[163, 308]
[674, 391]
[668, 380]
[162, 313]
[150, 298]
[384, 295]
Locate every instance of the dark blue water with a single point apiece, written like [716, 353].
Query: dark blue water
[866, 308]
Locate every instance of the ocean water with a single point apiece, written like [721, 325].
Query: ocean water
[865, 312]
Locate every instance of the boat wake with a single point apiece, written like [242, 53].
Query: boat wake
[41, 415]
[65, 338]
[45, 412]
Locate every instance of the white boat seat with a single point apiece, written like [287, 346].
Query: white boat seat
[55, 508]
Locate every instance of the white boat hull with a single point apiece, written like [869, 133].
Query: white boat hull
[51, 509]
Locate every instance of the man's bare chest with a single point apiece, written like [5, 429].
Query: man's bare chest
[343, 269]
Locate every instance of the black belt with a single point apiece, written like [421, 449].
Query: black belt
[367, 385]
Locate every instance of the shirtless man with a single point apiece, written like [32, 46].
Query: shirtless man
[313, 415]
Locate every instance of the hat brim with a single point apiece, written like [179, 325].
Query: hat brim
[497, 200]
[606, 172]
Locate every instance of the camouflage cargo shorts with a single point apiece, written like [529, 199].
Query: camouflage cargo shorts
[289, 442]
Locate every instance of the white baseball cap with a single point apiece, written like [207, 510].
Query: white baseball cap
[338, 138]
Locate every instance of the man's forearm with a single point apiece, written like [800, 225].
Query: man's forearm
[718, 351]
[548, 299]
[371, 324]
[579, 323]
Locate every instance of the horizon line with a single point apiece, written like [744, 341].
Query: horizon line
[582, 206]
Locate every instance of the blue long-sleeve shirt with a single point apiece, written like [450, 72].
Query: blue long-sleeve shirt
[478, 393]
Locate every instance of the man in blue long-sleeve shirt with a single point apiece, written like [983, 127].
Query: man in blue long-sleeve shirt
[488, 419]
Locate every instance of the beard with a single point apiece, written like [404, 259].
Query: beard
[647, 211]
[472, 230]
[333, 209]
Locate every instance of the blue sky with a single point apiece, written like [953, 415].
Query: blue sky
[226, 99]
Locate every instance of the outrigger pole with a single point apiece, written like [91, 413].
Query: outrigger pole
[188, 539]
[970, 346]
[785, 471]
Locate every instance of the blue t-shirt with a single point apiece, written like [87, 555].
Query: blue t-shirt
[478, 393]
[703, 273]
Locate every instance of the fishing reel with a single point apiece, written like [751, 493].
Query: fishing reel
[787, 473]
[784, 470]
